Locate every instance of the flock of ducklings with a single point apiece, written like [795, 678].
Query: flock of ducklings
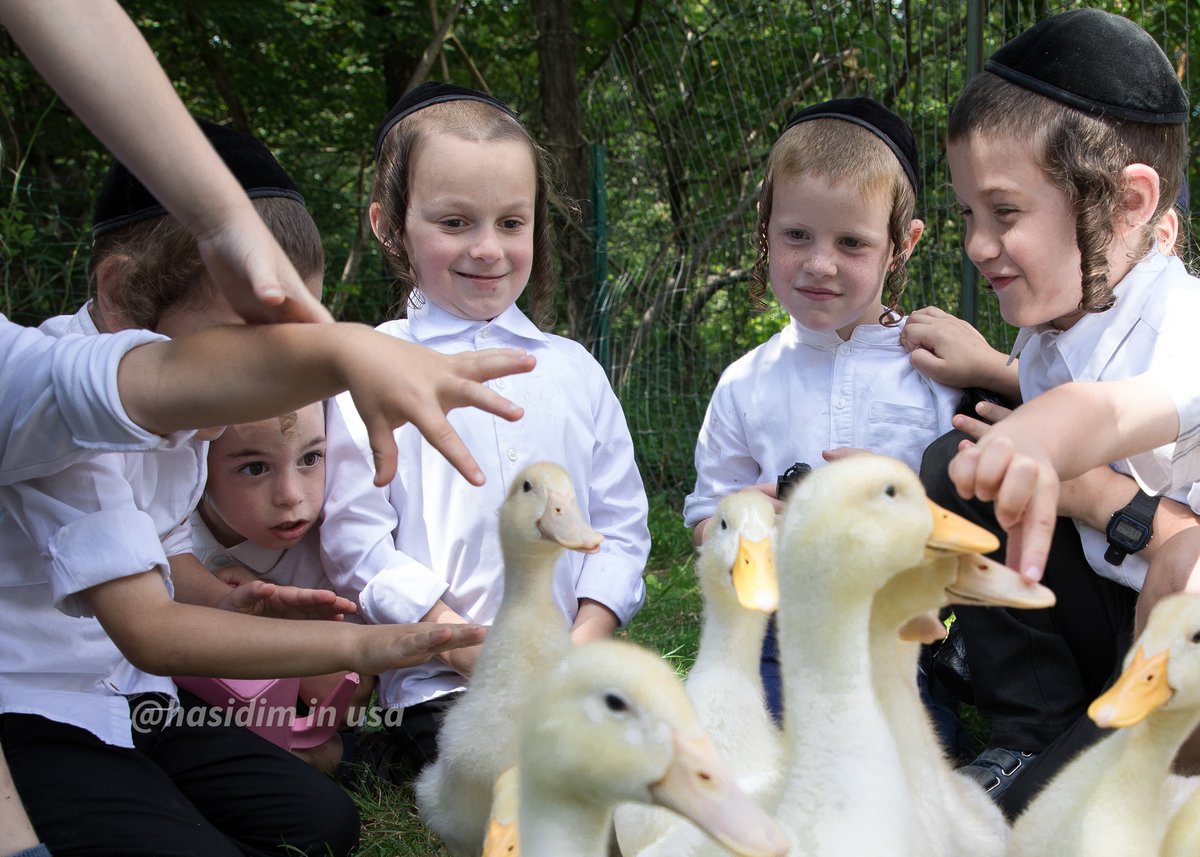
[559, 750]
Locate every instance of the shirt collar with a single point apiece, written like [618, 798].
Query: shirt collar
[865, 335]
[1088, 345]
[429, 322]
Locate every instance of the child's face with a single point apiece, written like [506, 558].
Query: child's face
[266, 485]
[829, 251]
[468, 230]
[1020, 230]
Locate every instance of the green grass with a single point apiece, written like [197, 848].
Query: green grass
[668, 623]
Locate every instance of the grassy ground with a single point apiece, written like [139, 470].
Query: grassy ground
[669, 623]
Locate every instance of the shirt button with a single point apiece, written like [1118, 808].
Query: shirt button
[485, 332]
[839, 403]
[500, 384]
[843, 350]
[512, 454]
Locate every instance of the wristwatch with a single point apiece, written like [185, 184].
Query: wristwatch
[1130, 528]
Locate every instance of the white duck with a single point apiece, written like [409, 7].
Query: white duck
[539, 519]
[951, 814]
[613, 723]
[1115, 797]
[1183, 834]
[848, 529]
[736, 569]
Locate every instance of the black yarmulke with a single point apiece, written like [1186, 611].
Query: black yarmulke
[427, 94]
[1097, 62]
[124, 200]
[883, 123]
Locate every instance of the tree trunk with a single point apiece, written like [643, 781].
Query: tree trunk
[562, 124]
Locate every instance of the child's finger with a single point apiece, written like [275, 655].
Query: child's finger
[992, 411]
[442, 437]
[497, 362]
[383, 450]
[969, 426]
[963, 468]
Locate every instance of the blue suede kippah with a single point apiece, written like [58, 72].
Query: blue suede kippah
[432, 93]
[883, 123]
[124, 200]
[1096, 62]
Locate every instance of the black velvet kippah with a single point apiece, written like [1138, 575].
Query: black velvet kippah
[432, 93]
[124, 200]
[877, 119]
[1096, 62]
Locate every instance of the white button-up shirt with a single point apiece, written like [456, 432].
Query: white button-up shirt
[61, 400]
[804, 391]
[1149, 332]
[100, 519]
[446, 531]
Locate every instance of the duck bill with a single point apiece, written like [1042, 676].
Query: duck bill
[563, 523]
[984, 581]
[501, 838]
[754, 578]
[1141, 688]
[698, 787]
[955, 534]
[925, 629]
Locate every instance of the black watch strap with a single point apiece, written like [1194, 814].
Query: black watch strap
[1131, 527]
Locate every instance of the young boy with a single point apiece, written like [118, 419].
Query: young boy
[1065, 155]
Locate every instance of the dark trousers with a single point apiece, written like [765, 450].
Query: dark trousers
[196, 790]
[1034, 672]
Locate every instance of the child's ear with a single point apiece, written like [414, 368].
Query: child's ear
[108, 306]
[916, 228]
[380, 224]
[1139, 194]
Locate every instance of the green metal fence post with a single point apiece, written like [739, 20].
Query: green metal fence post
[968, 300]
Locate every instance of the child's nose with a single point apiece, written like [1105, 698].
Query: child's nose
[288, 490]
[980, 245]
[819, 263]
[486, 245]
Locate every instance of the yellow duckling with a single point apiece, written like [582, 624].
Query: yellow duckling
[539, 519]
[1114, 799]
[613, 723]
[736, 569]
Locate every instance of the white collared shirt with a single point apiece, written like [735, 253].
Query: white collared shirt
[102, 518]
[1149, 332]
[61, 400]
[446, 542]
[802, 392]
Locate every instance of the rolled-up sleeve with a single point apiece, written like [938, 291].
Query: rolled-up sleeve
[617, 508]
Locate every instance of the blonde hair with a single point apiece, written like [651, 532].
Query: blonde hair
[843, 153]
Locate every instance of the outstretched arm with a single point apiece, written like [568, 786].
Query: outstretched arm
[1020, 461]
[227, 375]
[95, 58]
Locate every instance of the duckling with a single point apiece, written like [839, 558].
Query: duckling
[613, 723]
[847, 530]
[539, 519]
[951, 815]
[1114, 798]
[736, 569]
[1183, 834]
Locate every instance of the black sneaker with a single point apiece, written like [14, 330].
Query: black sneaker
[996, 768]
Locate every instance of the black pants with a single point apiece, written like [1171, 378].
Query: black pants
[198, 790]
[1034, 672]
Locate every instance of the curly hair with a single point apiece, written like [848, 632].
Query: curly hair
[841, 152]
[162, 268]
[390, 186]
[1083, 156]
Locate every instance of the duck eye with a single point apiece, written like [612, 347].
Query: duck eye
[615, 702]
[526, 487]
[724, 524]
[890, 490]
[1196, 637]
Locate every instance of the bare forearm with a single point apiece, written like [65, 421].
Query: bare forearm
[229, 375]
[16, 832]
[594, 621]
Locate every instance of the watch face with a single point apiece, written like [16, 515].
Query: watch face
[1128, 533]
